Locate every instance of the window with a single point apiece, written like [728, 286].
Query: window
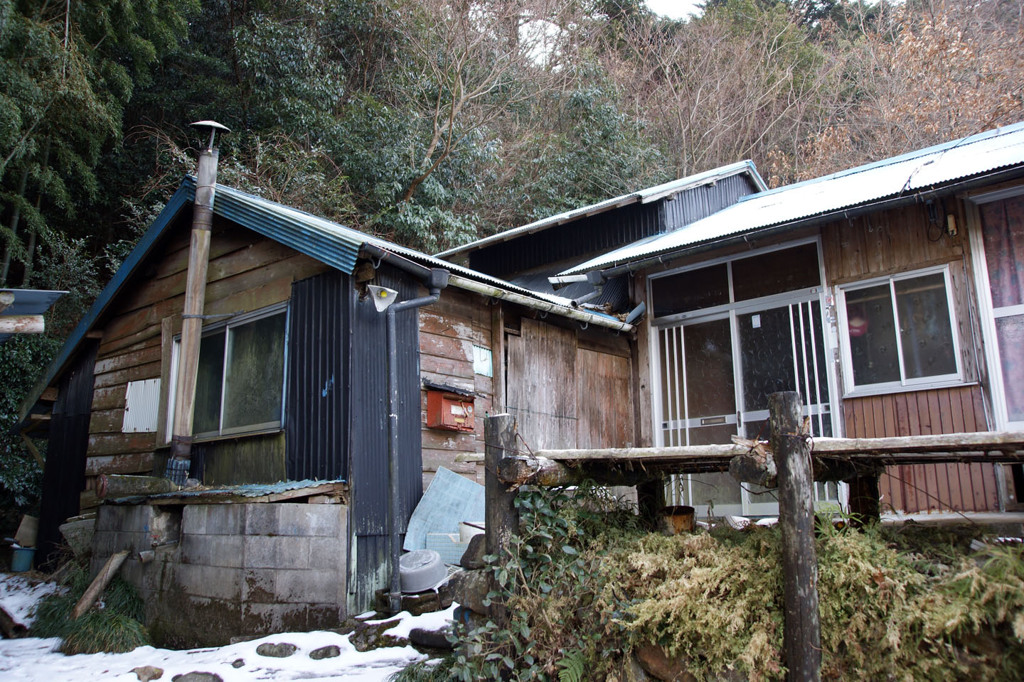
[240, 382]
[898, 332]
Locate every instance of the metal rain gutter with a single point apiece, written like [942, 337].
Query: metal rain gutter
[564, 311]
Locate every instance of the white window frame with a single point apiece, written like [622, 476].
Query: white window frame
[850, 388]
[225, 326]
[987, 313]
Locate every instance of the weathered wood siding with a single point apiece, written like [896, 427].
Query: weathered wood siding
[246, 272]
[891, 242]
[569, 389]
[927, 487]
[448, 331]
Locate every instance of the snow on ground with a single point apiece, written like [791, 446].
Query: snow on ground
[18, 596]
[34, 660]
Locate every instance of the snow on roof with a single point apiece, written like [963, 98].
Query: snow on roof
[901, 176]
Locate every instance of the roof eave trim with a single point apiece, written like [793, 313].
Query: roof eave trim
[577, 314]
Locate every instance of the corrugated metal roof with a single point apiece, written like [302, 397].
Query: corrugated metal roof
[902, 176]
[643, 196]
[29, 302]
[318, 238]
[233, 492]
[333, 244]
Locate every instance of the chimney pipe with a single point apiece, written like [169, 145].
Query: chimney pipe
[192, 315]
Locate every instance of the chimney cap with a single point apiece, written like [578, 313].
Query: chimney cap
[210, 124]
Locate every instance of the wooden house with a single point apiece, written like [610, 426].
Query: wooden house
[292, 409]
[888, 295]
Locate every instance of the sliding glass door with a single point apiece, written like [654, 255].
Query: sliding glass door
[718, 366]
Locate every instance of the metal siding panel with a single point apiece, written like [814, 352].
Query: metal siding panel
[141, 406]
[576, 240]
[316, 407]
[369, 442]
[64, 472]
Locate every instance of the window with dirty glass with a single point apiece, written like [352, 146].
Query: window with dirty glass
[899, 331]
[240, 380]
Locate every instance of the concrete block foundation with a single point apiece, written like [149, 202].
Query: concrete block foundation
[223, 570]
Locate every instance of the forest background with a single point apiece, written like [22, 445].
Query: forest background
[435, 122]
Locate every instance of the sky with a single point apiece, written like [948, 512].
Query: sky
[673, 9]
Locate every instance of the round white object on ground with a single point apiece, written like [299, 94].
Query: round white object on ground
[421, 569]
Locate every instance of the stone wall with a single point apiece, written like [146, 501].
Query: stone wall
[222, 570]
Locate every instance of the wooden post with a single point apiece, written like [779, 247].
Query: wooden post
[802, 630]
[864, 498]
[502, 519]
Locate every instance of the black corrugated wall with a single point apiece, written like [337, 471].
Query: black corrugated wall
[319, 338]
[368, 461]
[64, 472]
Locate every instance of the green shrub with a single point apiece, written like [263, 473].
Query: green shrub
[113, 625]
[585, 586]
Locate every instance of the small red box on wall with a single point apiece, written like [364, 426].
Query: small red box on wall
[449, 411]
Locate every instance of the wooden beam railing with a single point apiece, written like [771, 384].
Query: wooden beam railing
[857, 460]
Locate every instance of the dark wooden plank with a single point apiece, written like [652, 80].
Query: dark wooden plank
[106, 421]
[931, 484]
[441, 346]
[902, 418]
[121, 443]
[945, 408]
[913, 415]
[891, 490]
[888, 406]
[108, 398]
[924, 411]
[942, 487]
[130, 358]
[446, 367]
[119, 464]
[958, 402]
[123, 376]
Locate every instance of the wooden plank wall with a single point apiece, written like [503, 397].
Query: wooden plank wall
[570, 389]
[247, 272]
[927, 487]
[448, 331]
[891, 242]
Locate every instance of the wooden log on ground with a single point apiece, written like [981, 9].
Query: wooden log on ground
[501, 516]
[802, 626]
[99, 584]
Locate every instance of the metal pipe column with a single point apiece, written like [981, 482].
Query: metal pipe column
[395, 597]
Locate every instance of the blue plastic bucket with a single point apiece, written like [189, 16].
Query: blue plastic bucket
[21, 559]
